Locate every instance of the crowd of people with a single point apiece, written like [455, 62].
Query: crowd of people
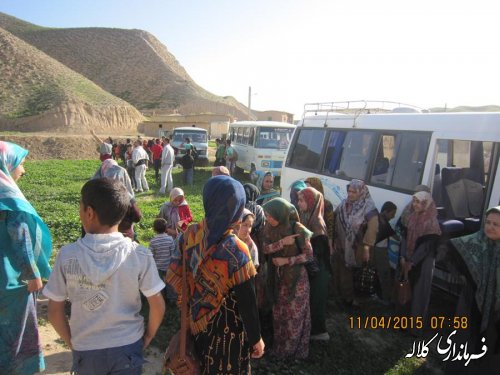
[260, 268]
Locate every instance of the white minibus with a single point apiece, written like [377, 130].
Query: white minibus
[455, 154]
[261, 145]
[197, 136]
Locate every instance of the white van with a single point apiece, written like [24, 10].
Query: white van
[455, 154]
[199, 139]
[261, 145]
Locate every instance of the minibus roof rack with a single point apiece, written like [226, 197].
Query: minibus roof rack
[358, 107]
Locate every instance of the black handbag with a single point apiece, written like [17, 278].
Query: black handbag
[364, 280]
[312, 267]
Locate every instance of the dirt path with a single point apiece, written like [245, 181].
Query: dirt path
[58, 357]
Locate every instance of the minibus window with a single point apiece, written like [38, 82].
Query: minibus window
[334, 152]
[246, 133]
[409, 161]
[384, 153]
[239, 136]
[356, 154]
[251, 137]
[308, 147]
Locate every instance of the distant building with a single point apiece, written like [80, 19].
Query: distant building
[274, 116]
[163, 124]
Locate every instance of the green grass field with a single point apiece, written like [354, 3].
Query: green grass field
[53, 187]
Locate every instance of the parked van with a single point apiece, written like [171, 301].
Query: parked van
[261, 145]
[455, 154]
[198, 137]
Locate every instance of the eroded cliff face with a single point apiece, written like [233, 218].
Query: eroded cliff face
[78, 118]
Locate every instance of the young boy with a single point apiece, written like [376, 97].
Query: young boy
[187, 162]
[380, 253]
[162, 247]
[103, 274]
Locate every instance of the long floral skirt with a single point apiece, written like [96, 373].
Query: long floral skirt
[223, 347]
[292, 320]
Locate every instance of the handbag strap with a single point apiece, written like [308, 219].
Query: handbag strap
[184, 308]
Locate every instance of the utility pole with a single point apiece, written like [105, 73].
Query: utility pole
[249, 101]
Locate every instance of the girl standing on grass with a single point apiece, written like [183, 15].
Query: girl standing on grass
[25, 250]
[176, 212]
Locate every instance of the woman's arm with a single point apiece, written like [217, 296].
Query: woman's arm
[305, 256]
[278, 245]
[94, 135]
[370, 237]
[18, 230]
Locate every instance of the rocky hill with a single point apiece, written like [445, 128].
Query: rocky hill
[130, 64]
[38, 93]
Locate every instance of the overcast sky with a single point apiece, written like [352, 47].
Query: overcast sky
[291, 52]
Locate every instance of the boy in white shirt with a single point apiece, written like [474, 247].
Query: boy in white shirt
[103, 274]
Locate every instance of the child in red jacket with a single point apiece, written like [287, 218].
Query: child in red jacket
[176, 212]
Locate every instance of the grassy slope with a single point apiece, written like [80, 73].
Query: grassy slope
[53, 187]
[106, 55]
[33, 82]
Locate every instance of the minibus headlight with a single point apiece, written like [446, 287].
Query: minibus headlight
[265, 163]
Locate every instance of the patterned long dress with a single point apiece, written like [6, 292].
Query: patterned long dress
[292, 319]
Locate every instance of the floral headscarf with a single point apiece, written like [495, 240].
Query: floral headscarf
[12, 199]
[353, 217]
[421, 223]
[313, 217]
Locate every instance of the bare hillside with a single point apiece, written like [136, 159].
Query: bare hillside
[130, 64]
[38, 93]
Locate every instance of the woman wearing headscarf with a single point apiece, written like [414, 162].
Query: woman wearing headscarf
[294, 190]
[176, 212]
[311, 215]
[263, 299]
[25, 250]
[251, 194]
[476, 257]
[223, 311]
[329, 212]
[110, 168]
[356, 226]
[418, 252]
[265, 185]
[287, 242]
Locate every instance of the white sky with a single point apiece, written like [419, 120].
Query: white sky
[426, 53]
